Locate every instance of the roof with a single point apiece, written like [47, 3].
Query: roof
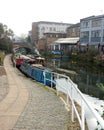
[92, 17]
[73, 40]
[74, 25]
[49, 22]
[40, 58]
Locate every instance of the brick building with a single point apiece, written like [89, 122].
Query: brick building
[44, 32]
[44, 43]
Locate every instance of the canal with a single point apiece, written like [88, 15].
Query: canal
[88, 76]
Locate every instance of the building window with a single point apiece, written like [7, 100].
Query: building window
[96, 33]
[85, 34]
[50, 28]
[54, 29]
[96, 23]
[85, 24]
[73, 29]
[43, 28]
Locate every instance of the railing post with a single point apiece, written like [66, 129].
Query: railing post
[44, 77]
[67, 95]
[51, 80]
[83, 116]
[72, 104]
[72, 111]
[67, 100]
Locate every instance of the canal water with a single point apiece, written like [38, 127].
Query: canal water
[88, 76]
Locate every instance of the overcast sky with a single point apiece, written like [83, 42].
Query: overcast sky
[18, 15]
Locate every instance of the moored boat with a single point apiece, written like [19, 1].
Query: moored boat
[18, 58]
[35, 69]
[33, 66]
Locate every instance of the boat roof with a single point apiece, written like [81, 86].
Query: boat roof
[24, 57]
[40, 58]
[73, 40]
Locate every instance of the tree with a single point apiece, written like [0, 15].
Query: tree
[10, 32]
[5, 38]
[1, 29]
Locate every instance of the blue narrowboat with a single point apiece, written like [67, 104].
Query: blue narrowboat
[37, 71]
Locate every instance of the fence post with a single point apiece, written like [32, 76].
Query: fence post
[83, 117]
[44, 77]
[51, 79]
[67, 99]
[72, 111]
[67, 94]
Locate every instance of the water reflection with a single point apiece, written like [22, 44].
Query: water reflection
[89, 76]
[88, 83]
[56, 62]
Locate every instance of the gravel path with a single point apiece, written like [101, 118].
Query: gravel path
[44, 111]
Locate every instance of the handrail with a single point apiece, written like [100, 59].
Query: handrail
[94, 112]
[69, 89]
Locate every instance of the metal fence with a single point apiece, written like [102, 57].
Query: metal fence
[64, 84]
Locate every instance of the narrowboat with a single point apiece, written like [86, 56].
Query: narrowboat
[35, 69]
[18, 58]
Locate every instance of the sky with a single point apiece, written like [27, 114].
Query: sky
[18, 15]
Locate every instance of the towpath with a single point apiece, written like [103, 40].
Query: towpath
[30, 106]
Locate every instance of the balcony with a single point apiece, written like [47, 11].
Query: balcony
[95, 39]
[84, 40]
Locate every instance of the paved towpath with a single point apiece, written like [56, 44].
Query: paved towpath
[30, 106]
[13, 104]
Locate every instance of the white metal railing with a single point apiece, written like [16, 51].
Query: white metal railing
[66, 85]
